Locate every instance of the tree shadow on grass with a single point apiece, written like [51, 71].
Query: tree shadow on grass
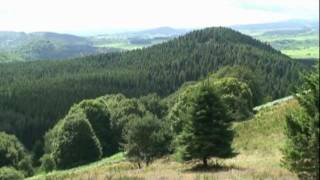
[213, 167]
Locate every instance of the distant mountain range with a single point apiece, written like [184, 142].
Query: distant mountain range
[296, 38]
[150, 33]
[282, 25]
[21, 46]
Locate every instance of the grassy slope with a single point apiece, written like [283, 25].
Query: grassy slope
[257, 140]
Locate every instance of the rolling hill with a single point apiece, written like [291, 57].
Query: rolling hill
[137, 39]
[35, 95]
[20, 46]
[296, 38]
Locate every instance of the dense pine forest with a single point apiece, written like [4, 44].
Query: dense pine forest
[181, 98]
[35, 95]
[159, 90]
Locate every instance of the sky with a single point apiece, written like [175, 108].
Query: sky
[113, 15]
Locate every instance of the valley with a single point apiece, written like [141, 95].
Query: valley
[159, 90]
[296, 38]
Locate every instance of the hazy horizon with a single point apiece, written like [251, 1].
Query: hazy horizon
[85, 16]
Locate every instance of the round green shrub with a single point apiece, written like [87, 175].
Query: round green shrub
[75, 142]
[99, 118]
[12, 153]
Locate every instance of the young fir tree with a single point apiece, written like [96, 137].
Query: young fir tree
[301, 151]
[206, 132]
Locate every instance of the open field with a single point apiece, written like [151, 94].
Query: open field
[312, 52]
[257, 141]
[125, 44]
[298, 42]
[300, 45]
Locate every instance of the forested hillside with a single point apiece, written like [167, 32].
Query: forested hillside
[35, 95]
[20, 46]
[258, 140]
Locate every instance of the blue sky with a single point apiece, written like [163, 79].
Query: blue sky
[93, 15]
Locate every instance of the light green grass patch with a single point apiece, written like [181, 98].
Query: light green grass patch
[82, 169]
[312, 52]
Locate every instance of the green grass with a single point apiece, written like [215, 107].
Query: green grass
[302, 45]
[121, 45]
[79, 170]
[258, 142]
[298, 37]
[264, 132]
[311, 52]
[125, 44]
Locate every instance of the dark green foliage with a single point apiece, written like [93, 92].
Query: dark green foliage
[153, 104]
[47, 163]
[177, 113]
[53, 87]
[252, 77]
[105, 116]
[25, 165]
[301, 151]
[74, 142]
[122, 110]
[99, 118]
[8, 173]
[37, 152]
[206, 132]
[144, 139]
[12, 153]
[236, 95]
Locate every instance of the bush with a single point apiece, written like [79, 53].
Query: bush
[8, 173]
[176, 116]
[12, 153]
[237, 96]
[25, 165]
[99, 117]
[47, 163]
[144, 140]
[122, 110]
[252, 78]
[153, 104]
[73, 142]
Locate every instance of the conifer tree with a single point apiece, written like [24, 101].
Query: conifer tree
[301, 151]
[206, 130]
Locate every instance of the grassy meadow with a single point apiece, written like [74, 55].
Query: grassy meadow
[295, 45]
[258, 142]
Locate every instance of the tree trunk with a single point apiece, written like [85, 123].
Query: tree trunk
[205, 162]
[139, 165]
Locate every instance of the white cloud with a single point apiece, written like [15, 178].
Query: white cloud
[71, 15]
